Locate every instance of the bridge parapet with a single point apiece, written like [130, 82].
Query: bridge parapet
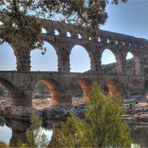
[108, 37]
[105, 36]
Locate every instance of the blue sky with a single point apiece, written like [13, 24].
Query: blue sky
[129, 18]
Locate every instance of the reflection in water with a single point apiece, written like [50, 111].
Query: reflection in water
[16, 131]
[47, 133]
[12, 131]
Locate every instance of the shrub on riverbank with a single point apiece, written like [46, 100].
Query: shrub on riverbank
[103, 125]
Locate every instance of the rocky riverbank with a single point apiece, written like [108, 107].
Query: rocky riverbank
[136, 112]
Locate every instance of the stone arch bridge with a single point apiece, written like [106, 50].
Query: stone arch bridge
[21, 83]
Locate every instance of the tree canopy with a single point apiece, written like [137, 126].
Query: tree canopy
[103, 125]
[21, 26]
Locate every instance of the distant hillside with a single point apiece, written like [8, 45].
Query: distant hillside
[111, 68]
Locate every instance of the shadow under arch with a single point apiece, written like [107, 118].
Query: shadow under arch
[114, 89]
[12, 90]
[80, 90]
[146, 85]
[79, 59]
[46, 59]
[108, 61]
[85, 85]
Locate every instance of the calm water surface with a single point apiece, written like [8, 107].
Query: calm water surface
[11, 131]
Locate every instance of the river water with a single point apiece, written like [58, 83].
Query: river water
[11, 131]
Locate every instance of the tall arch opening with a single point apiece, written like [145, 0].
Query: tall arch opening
[130, 66]
[45, 94]
[7, 57]
[44, 60]
[79, 59]
[108, 62]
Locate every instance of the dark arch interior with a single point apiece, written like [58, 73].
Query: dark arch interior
[8, 87]
[146, 85]
[6, 97]
[105, 89]
[146, 89]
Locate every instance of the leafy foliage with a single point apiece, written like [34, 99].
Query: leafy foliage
[103, 126]
[33, 136]
[22, 28]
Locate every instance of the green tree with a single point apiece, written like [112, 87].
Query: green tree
[103, 126]
[34, 137]
[21, 27]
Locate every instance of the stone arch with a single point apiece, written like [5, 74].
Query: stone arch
[44, 30]
[80, 90]
[79, 36]
[9, 87]
[68, 34]
[13, 94]
[85, 85]
[108, 61]
[120, 61]
[57, 32]
[53, 88]
[137, 62]
[8, 59]
[115, 88]
[130, 65]
[136, 87]
[77, 55]
[46, 60]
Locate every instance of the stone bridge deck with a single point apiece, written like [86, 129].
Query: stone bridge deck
[63, 86]
[26, 81]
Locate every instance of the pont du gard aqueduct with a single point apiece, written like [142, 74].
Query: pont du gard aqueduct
[21, 83]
